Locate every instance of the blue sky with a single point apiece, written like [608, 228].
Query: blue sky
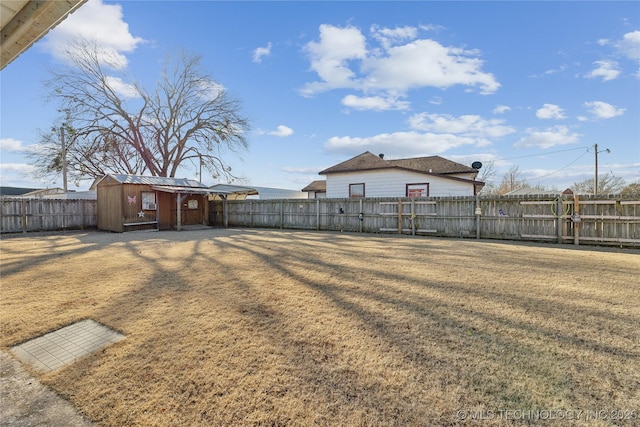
[527, 84]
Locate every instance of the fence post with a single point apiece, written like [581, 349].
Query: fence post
[281, 214]
[559, 218]
[225, 212]
[399, 216]
[317, 214]
[360, 221]
[478, 213]
[413, 217]
[576, 224]
[23, 212]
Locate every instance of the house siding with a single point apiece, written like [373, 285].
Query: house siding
[392, 183]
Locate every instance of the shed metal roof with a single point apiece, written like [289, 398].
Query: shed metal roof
[154, 180]
[181, 190]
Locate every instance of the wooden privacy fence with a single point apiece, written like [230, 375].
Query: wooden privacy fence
[23, 215]
[609, 220]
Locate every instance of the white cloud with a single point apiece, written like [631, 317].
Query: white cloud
[12, 145]
[260, 52]
[282, 131]
[602, 110]
[432, 27]
[125, 90]
[629, 45]
[426, 63]
[22, 168]
[376, 103]
[501, 109]
[560, 69]
[557, 135]
[307, 170]
[467, 125]
[98, 23]
[430, 134]
[399, 143]
[342, 60]
[550, 111]
[329, 57]
[392, 36]
[607, 70]
[210, 90]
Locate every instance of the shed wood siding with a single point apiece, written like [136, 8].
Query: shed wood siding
[189, 216]
[392, 183]
[120, 205]
[132, 210]
[109, 199]
[168, 203]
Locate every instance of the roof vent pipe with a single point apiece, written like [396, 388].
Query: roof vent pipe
[381, 155]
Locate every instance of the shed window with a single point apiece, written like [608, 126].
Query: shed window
[356, 190]
[149, 201]
[418, 190]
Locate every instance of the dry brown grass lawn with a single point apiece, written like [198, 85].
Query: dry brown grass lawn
[244, 327]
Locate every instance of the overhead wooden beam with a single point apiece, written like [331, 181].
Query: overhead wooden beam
[30, 23]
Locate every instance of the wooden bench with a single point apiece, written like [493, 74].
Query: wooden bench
[134, 224]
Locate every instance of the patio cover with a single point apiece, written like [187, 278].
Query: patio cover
[181, 190]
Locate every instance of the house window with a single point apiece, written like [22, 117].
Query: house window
[418, 190]
[356, 190]
[149, 201]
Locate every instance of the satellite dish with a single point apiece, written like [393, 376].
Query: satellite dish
[476, 165]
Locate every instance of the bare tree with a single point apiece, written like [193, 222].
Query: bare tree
[632, 190]
[607, 184]
[511, 180]
[115, 125]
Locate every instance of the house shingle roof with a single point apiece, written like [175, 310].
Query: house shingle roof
[434, 164]
[319, 185]
[364, 161]
[369, 161]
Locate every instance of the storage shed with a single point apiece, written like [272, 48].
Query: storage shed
[133, 202]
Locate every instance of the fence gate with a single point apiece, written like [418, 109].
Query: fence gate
[410, 217]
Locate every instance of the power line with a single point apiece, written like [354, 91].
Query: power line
[548, 152]
[564, 167]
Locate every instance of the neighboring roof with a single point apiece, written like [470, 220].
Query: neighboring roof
[364, 161]
[526, 191]
[73, 195]
[152, 180]
[181, 190]
[24, 22]
[15, 191]
[317, 186]
[45, 192]
[264, 193]
[232, 189]
[431, 164]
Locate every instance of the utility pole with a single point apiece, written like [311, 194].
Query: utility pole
[595, 178]
[64, 159]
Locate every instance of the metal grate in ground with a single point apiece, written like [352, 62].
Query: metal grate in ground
[64, 346]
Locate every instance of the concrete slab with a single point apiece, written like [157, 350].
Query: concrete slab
[64, 346]
[26, 402]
